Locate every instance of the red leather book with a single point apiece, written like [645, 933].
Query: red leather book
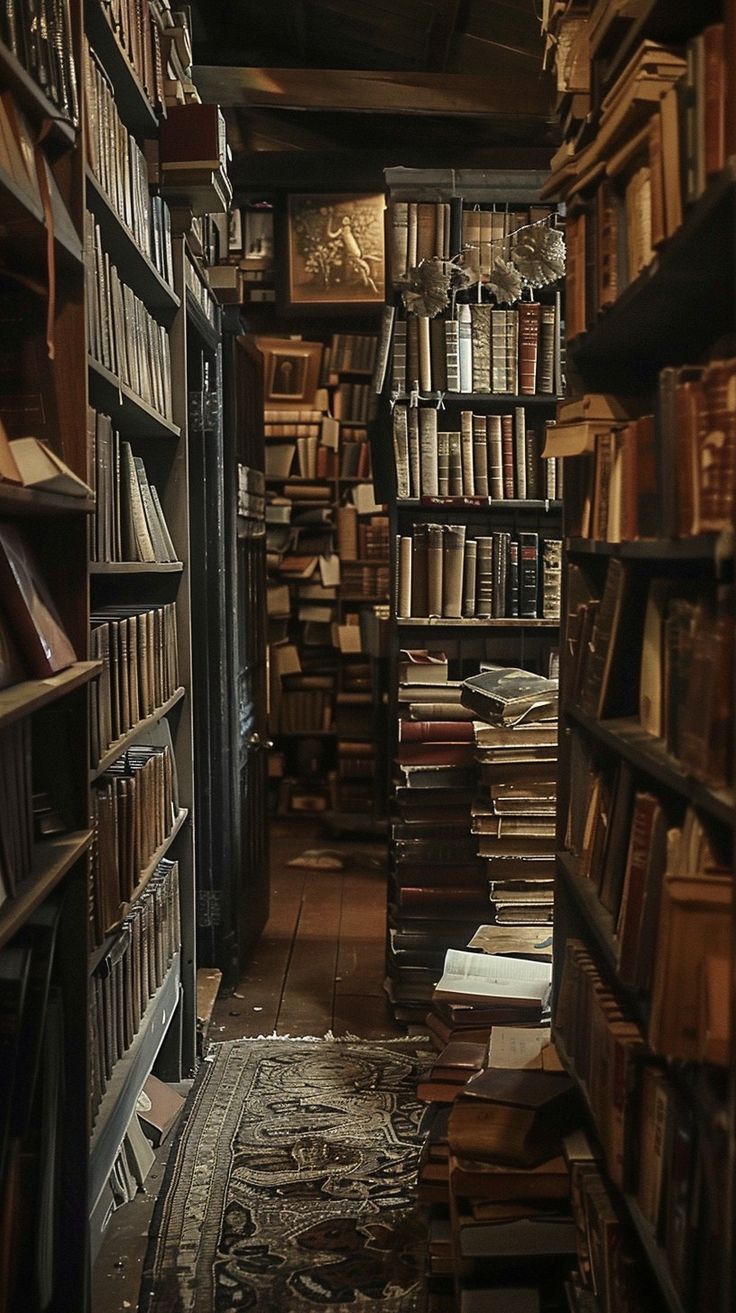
[436, 731]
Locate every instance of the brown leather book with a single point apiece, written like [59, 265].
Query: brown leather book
[412, 353]
[426, 230]
[656, 169]
[471, 1178]
[436, 731]
[30, 608]
[419, 572]
[529, 314]
[507, 453]
[718, 455]
[715, 93]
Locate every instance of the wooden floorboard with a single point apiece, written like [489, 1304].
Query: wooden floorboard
[308, 997]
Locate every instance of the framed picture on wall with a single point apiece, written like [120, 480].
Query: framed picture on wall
[291, 370]
[335, 251]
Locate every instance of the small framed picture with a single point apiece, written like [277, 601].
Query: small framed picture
[235, 233]
[336, 251]
[291, 370]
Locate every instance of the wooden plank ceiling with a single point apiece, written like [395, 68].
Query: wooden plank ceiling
[409, 81]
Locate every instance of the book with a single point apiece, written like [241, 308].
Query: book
[29, 605]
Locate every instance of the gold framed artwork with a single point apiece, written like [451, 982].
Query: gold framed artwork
[336, 253]
[291, 370]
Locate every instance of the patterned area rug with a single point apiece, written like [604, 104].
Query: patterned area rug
[292, 1185]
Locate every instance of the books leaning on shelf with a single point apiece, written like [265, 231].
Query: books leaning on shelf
[120, 167]
[134, 811]
[130, 973]
[484, 349]
[442, 571]
[497, 457]
[138, 649]
[130, 524]
[124, 338]
[26, 601]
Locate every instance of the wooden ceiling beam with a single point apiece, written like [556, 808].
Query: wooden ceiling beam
[359, 91]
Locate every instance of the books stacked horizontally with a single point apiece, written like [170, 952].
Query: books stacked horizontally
[492, 456]
[437, 894]
[442, 571]
[484, 349]
[513, 816]
[298, 435]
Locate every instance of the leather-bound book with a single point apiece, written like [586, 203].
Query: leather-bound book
[456, 465]
[415, 476]
[528, 566]
[551, 578]
[435, 555]
[438, 354]
[401, 451]
[480, 455]
[484, 576]
[507, 453]
[426, 230]
[501, 542]
[520, 452]
[399, 212]
[466, 446]
[419, 572]
[495, 458]
[452, 352]
[529, 316]
[718, 455]
[512, 579]
[480, 315]
[28, 604]
[465, 347]
[452, 570]
[428, 451]
[593, 695]
[412, 353]
[512, 351]
[411, 238]
[498, 350]
[714, 94]
[470, 577]
[404, 579]
[546, 364]
[533, 464]
[398, 357]
[443, 464]
[425, 359]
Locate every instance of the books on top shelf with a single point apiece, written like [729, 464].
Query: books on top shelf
[420, 230]
[49, 61]
[124, 337]
[443, 571]
[491, 456]
[485, 348]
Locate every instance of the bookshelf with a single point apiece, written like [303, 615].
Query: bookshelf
[416, 421]
[44, 719]
[342, 713]
[655, 733]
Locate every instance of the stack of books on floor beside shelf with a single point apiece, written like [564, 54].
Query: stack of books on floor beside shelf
[437, 892]
[327, 552]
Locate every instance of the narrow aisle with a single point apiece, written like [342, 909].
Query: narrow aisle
[320, 963]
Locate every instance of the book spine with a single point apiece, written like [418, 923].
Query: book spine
[425, 359]
[443, 464]
[528, 557]
[401, 451]
[529, 314]
[398, 358]
[428, 451]
[480, 455]
[512, 592]
[484, 575]
[452, 570]
[404, 578]
[399, 212]
[498, 350]
[480, 334]
[466, 443]
[435, 533]
[415, 478]
[455, 465]
[465, 348]
[469, 577]
[520, 452]
[495, 458]
[452, 351]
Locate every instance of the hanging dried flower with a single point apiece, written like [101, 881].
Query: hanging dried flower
[539, 254]
[428, 286]
[505, 281]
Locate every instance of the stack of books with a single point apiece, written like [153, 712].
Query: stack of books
[437, 892]
[513, 815]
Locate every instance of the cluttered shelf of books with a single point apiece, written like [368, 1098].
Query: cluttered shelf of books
[96, 752]
[327, 553]
[643, 910]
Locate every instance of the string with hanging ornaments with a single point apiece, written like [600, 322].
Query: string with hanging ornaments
[531, 256]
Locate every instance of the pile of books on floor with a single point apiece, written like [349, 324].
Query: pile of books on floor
[513, 814]
[437, 891]
[493, 1169]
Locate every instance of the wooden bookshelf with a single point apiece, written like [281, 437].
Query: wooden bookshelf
[34, 102]
[24, 699]
[665, 304]
[141, 273]
[129, 412]
[136, 734]
[51, 862]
